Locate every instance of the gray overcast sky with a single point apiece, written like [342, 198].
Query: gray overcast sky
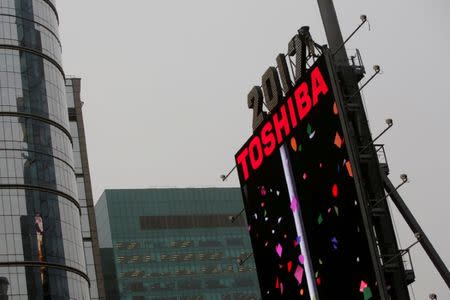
[165, 85]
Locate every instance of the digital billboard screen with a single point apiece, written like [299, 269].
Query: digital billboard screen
[303, 213]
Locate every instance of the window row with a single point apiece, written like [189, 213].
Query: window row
[174, 242]
[34, 136]
[188, 221]
[32, 84]
[202, 270]
[208, 296]
[43, 283]
[34, 169]
[39, 238]
[188, 284]
[19, 202]
[28, 34]
[181, 257]
[40, 11]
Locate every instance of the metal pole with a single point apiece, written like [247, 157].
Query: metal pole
[415, 227]
[333, 31]
[299, 226]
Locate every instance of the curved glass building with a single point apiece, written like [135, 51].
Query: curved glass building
[41, 244]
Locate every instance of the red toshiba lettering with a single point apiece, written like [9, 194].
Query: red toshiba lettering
[268, 139]
[303, 100]
[318, 85]
[256, 157]
[292, 113]
[281, 123]
[242, 161]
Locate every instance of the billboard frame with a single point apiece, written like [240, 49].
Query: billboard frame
[354, 160]
[353, 156]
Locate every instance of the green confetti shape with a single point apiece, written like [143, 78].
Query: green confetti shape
[309, 129]
[367, 293]
[320, 219]
[336, 209]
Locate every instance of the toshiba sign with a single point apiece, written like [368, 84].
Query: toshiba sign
[284, 118]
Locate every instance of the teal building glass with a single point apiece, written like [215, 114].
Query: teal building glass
[175, 244]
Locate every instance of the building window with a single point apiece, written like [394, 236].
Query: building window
[193, 221]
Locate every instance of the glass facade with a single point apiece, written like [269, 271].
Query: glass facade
[81, 165]
[175, 244]
[41, 244]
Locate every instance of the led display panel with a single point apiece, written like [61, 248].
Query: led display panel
[272, 229]
[303, 214]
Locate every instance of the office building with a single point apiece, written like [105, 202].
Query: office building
[41, 250]
[175, 244]
[83, 178]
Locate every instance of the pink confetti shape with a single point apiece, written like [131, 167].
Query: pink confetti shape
[263, 191]
[305, 176]
[299, 274]
[281, 288]
[294, 204]
[249, 227]
[279, 250]
[301, 259]
[363, 286]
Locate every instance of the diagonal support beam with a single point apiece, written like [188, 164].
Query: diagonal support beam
[416, 229]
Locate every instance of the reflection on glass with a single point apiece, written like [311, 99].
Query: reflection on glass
[39, 225]
[4, 284]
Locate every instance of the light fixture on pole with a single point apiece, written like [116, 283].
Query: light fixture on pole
[224, 177]
[242, 261]
[235, 217]
[389, 123]
[404, 179]
[363, 21]
[377, 70]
